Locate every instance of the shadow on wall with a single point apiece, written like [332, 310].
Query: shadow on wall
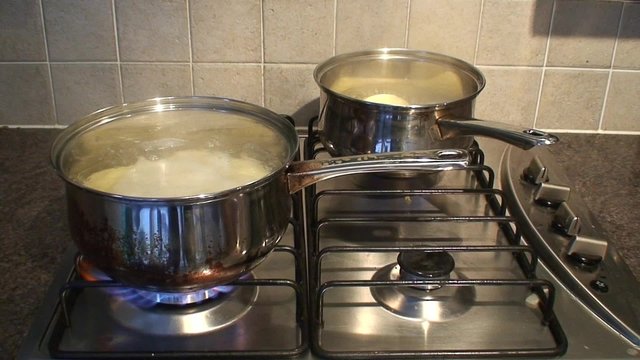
[306, 112]
[581, 18]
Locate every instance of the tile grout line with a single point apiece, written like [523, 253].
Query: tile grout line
[335, 26]
[263, 93]
[613, 58]
[48, 63]
[14, 126]
[567, 68]
[544, 65]
[406, 27]
[176, 63]
[475, 51]
[118, 62]
[594, 132]
[43, 62]
[193, 89]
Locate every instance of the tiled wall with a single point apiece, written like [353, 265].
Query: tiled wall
[563, 64]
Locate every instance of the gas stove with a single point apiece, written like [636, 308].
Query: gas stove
[499, 259]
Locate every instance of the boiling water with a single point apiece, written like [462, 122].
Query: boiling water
[400, 82]
[444, 88]
[183, 173]
[175, 154]
[389, 99]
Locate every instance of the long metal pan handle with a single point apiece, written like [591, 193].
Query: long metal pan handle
[520, 137]
[304, 173]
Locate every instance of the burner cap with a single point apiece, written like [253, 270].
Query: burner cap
[426, 264]
[446, 304]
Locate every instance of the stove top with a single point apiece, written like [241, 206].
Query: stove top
[494, 260]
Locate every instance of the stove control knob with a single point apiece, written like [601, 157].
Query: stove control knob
[566, 221]
[536, 173]
[551, 195]
[587, 250]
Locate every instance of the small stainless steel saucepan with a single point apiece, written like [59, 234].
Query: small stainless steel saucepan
[190, 241]
[389, 100]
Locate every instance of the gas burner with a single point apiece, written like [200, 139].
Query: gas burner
[173, 313]
[198, 318]
[425, 265]
[184, 298]
[145, 298]
[434, 303]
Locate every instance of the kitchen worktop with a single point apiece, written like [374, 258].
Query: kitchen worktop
[34, 234]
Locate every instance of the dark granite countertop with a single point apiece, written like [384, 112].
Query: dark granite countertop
[604, 168]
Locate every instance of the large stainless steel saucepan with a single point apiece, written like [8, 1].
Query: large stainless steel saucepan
[388, 100]
[180, 237]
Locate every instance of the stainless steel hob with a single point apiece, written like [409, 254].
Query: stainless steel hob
[497, 260]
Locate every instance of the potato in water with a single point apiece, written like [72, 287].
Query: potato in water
[184, 173]
[388, 99]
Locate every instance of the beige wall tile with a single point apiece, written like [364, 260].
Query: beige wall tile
[510, 96]
[25, 98]
[622, 111]
[21, 34]
[237, 81]
[291, 90]
[80, 30]
[514, 32]
[363, 24]
[445, 26]
[628, 48]
[298, 31]
[142, 81]
[152, 30]
[227, 51]
[583, 33]
[226, 30]
[80, 89]
[571, 99]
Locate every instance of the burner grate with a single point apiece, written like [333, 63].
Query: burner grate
[346, 320]
[543, 289]
[199, 346]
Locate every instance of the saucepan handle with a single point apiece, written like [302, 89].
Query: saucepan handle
[304, 173]
[521, 137]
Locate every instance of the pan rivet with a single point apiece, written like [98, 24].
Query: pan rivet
[449, 154]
